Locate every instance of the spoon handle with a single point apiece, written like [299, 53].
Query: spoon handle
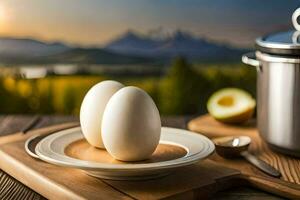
[260, 164]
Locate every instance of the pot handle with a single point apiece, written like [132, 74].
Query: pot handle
[250, 59]
[295, 17]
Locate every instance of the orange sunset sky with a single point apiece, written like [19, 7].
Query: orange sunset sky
[95, 22]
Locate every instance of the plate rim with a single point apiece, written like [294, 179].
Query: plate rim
[183, 161]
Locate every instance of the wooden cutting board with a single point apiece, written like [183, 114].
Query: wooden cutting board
[193, 182]
[287, 186]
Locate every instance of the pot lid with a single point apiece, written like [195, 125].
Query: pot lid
[283, 43]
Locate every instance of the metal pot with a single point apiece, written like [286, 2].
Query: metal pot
[277, 60]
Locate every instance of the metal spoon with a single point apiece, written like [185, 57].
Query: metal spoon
[234, 146]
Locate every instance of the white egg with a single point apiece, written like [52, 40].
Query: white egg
[131, 125]
[92, 108]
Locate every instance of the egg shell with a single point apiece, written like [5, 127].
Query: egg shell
[131, 125]
[92, 108]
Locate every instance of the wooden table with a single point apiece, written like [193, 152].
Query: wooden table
[13, 189]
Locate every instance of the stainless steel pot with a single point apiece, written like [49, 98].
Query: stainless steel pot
[277, 60]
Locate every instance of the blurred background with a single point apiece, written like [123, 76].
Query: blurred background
[53, 51]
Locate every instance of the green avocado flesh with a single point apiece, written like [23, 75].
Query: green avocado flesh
[231, 105]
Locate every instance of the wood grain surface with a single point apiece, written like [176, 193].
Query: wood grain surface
[10, 188]
[55, 182]
[199, 181]
[41, 175]
[287, 186]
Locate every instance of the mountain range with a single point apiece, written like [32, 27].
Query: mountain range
[29, 47]
[129, 48]
[179, 43]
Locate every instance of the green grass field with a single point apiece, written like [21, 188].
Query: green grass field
[183, 90]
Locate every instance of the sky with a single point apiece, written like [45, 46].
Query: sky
[96, 22]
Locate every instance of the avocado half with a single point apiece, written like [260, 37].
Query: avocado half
[231, 105]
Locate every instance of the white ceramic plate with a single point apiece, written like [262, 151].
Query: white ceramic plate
[52, 149]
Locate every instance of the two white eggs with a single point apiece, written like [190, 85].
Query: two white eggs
[123, 120]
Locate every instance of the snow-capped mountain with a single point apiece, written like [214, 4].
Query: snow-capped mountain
[156, 46]
[132, 43]
[179, 43]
